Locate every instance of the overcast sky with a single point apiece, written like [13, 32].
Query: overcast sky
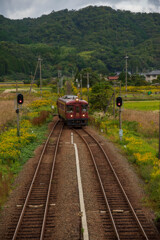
[18, 9]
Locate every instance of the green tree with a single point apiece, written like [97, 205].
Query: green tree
[156, 80]
[94, 77]
[122, 78]
[100, 95]
[137, 80]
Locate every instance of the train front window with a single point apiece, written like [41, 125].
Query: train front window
[84, 108]
[77, 109]
[69, 109]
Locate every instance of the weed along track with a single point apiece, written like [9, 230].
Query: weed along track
[74, 193]
[120, 219]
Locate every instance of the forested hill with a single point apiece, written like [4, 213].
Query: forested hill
[97, 37]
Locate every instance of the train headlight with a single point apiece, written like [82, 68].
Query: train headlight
[71, 116]
[83, 115]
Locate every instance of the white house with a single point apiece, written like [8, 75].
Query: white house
[152, 75]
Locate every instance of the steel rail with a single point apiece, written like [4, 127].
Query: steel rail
[30, 188]
[122, 189]
[49, 188]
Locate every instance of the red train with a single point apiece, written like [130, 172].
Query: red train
[73, 110]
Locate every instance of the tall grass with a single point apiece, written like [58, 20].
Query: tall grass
[5, 181]
[41, 118]
[8, 107]
[148, 121]
[7, 111]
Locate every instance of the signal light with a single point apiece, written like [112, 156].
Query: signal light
[119, 101]
[19, 98]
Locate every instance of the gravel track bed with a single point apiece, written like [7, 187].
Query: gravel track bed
[67, 220]
[66, 203]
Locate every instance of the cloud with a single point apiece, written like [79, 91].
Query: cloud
[15, 9]
[27, 8]
[138, 6]
[131, 5]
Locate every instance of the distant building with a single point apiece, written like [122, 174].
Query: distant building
[118, 73]
[112, 78]
[152, 75]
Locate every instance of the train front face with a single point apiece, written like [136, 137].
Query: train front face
[77, 113]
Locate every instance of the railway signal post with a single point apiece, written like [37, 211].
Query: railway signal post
[19, 102]
[119, 104]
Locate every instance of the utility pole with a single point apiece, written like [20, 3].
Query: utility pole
[77, 83]
[62, 78]
[40, 74]
[34, 77]
[72, 74]
[126, 57]
[114, 99]
[59, 84]
[81, 84]
[16, 87]
[88, 86]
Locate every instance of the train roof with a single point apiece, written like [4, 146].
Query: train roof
[71, 99]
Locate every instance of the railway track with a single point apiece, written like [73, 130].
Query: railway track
[50, 207]
[32, 220]
[121, 220]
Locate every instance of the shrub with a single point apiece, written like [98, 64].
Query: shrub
[4, 186]
[10, 147]
[41, 119]
[39, 103]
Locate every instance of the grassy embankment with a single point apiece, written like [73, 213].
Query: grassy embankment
[35, 114]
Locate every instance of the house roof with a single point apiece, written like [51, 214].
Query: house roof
[113, 77]
[155, 72]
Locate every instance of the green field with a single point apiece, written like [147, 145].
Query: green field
[142, 105]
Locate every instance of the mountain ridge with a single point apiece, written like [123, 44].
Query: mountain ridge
[104, 34]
